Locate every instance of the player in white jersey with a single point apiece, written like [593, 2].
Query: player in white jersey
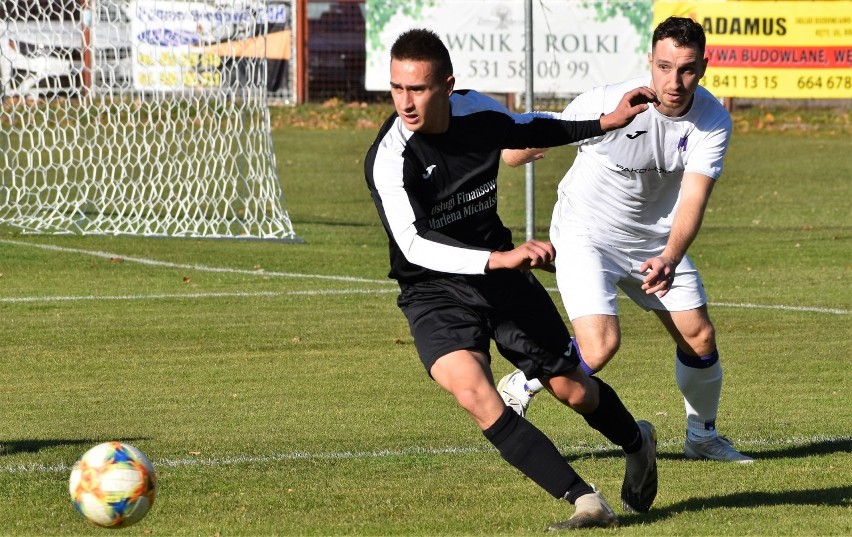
[626, 213]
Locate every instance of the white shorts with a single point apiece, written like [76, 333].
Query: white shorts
[589, 275]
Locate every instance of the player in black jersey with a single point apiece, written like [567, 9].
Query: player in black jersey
[432, 173]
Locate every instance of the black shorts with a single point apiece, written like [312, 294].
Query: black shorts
[511, 307]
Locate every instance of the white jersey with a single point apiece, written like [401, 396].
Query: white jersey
[624, 186]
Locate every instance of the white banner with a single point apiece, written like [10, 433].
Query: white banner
[577, 44]
[182, 45]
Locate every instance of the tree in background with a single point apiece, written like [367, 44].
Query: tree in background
[379, 12]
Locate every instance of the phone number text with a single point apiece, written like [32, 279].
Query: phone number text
[518, 69]
[771, 82]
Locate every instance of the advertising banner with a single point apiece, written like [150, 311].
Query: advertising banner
[193, 45]
[577, 44]
[786, 49]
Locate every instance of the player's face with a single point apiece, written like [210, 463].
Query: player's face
[422, 99]
[675, 73]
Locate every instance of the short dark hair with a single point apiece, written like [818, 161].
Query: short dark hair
[684, 31]
[421, 44]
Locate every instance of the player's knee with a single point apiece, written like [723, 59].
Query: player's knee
[708, 336]
[469, 399]
[585, 404]
[580, 397]
[703, 339]
[583, 401]
[599, 354]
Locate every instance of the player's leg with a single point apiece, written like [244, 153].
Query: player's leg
[599, 333]
[467, 376]
[698, 372]
[587, 283]
[598, 338]
[603, 410]
[453, 342]
[530, 332]
[518, 391]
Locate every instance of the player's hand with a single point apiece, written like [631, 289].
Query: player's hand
[661, 273]
[633, 103]
[531, 254]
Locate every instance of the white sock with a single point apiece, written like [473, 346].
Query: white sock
[701, 389]
[534, 385]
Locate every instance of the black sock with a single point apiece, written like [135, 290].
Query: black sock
[530, 451]
[614, 421]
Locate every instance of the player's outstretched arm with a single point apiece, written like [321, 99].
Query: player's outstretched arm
[695, 192]
[516, 157]
[531, 254]
[632, 104]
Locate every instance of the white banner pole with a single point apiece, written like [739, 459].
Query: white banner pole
[529, 168]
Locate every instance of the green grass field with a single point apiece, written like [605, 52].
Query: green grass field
[277, 390]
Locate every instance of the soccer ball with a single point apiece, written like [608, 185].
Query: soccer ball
[113, 485]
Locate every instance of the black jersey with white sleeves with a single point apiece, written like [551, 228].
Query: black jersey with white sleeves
[436, 194]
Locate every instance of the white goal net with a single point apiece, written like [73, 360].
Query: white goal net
[142, 117]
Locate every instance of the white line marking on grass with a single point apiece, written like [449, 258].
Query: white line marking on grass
[340, 455]
[327, 292]
[255, 459]
[266, 294]
[205, 268]
[808, 309]
[584, 449]
[804, 309]
[201, 268]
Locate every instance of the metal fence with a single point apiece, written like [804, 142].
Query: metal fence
[336, 54]
[322, 49]
[73, 47]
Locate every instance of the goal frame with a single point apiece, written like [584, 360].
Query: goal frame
[92, 157]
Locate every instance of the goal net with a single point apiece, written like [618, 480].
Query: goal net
[142, 117]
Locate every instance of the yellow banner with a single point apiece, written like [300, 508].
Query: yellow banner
[779, 83]
[765, 49]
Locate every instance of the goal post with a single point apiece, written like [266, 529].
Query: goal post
[141, 117]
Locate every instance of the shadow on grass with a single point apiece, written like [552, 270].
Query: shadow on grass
[331, 222]
[821, 447]
[11, 447]
[832, 497]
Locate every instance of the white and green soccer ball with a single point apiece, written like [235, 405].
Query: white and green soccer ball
[113, 485]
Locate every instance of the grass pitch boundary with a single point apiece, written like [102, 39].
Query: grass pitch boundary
[264, 273]
[200, 268]
[416, 451]
[178, 296]
[321, 292]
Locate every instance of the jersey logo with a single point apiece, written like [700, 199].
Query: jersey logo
[429, 171]
[681, 144]
[636, 134]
